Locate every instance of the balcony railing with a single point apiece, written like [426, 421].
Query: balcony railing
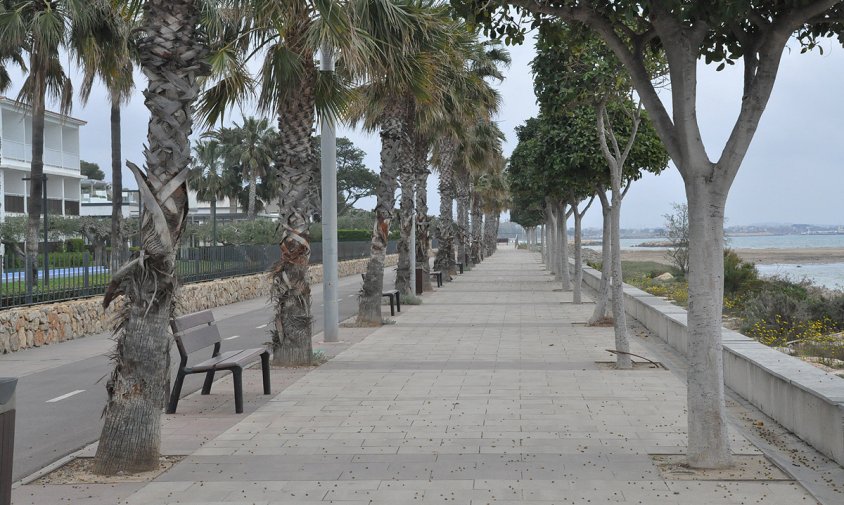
[20, 151]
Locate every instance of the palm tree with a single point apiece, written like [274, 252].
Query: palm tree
[207, 178]
[42, 29]
[411, 79]
[113, 62]
[171, 52]
[250, 146]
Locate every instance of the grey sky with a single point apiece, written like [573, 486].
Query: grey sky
[791, 173]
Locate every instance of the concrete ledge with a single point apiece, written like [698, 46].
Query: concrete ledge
[804, 399]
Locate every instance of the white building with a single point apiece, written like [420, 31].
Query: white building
[96, 200]
[61, 160]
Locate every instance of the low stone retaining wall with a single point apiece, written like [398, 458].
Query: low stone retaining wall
[38, 325]
[804, 399]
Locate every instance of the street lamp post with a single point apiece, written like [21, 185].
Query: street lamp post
[328, 168]
[46, 275]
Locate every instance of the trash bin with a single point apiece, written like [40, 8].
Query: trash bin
[420, 279]
[7, 437]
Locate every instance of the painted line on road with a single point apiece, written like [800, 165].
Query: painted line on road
[62, 397]
[262, 326]
[232, 337]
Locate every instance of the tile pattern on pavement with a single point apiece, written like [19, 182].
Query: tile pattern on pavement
[486, 393]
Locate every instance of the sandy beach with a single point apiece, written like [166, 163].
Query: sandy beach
[815, 255]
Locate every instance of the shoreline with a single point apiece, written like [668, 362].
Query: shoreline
[769, 256]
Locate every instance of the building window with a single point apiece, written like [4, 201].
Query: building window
[71, 208]
[14, 203]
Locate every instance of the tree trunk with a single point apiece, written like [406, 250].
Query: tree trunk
[444, 261]
[477, 231]
[489, 233]
[117, 245]
[550, 218]
[172, 54]
[36, 182]
[708, 436]
[394, 141]
[578, 258]
[298, 199]
[622, 342]
[563, 237]
[253, 194]
[406, 216]
[463, 220]
[602, 302]
[422, 222]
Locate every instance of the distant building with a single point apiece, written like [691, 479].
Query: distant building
[61, 160]
[96, 199]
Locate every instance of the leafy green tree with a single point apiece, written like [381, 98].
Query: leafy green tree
[754, 32]
[171, 51]
[91, 170]
[354, 179]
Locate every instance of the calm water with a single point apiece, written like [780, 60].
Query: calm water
[830, 275]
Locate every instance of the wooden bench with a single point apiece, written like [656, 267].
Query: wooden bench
[438, 275]
[197, 331]
[393, 295]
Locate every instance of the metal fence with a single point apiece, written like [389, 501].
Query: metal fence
[80, 274]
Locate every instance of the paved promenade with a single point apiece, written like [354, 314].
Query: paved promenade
[489, 392]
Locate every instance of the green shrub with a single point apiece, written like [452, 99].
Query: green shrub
[739, 275]
[75, 245]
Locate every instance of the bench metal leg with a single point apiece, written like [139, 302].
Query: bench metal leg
[392, 306]
[265, 372]
[174, 394]
[237, 374]
[209, 379]
[398, 302]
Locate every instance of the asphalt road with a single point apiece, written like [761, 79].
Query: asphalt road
[59, 409]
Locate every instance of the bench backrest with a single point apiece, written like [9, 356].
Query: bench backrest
[195, 331]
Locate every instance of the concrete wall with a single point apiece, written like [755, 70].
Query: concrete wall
[799, 396]
[38, 325]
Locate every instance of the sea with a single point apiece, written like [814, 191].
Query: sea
[830, 275]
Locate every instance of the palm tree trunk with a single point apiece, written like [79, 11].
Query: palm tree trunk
[406, 216]
[298, 198]
[489, 233]
[172, 56]
[394, 143]
[253, 194]
[117, 245]
[444, 261]
[422, 223]
[477, 231]
[36, 175]
[463, 220]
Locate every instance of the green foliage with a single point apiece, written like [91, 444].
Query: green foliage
[91, 170]
[739, 276]
[354, 179]
[74, 245]
[258, 231]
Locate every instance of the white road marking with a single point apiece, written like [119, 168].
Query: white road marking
[262, 326]
[232, 337]
[62, 397]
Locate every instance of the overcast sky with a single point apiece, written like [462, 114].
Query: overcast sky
[792, 173]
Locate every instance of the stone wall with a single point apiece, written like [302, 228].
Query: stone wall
[24, 327]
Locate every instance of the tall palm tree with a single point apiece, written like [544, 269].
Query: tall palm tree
[42, 29]
[288, 34]
[408, 81]
[113, 61]
[250, 146]
[207, 178]
[171, 51]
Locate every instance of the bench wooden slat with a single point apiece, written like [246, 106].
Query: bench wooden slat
[199, 338]
[189, 321]
[228, 359]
